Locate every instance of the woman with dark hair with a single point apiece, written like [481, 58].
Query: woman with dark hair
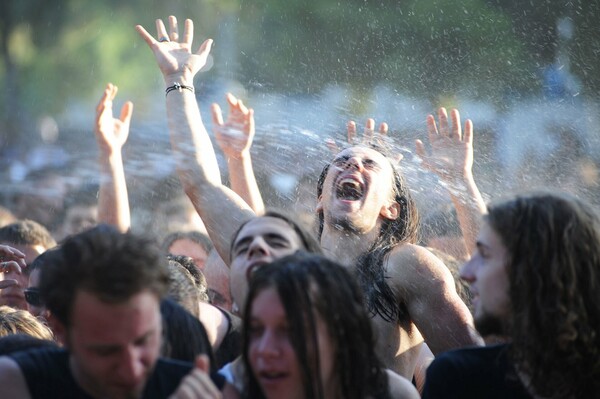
[308, 334]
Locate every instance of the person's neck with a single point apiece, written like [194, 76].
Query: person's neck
[346, 245]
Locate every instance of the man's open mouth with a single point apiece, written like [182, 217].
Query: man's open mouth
[349, 189]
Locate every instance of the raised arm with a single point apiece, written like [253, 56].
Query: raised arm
[221, 209]
[235, 139]
[111, 135]
[427, 288]
[451, 159]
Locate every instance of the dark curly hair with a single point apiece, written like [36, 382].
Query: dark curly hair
[310, 285]
[380, 299]
[553, 242]
[103, 261]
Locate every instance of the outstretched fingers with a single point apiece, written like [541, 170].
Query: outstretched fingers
[351, 131]
[432, 131]
[456, 128]
[204, 50]
[146, 36]
[161, 31]
[369, 130]
[188, 32]
[173, 29]
[217, 115]
[383, 129]
[443, 120]
[468, 137]
[126, 112]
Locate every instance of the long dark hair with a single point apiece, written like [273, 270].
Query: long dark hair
[311, 286]
[553, 247]
[370, 270]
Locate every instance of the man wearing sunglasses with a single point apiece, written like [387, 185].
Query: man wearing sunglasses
[32, 239]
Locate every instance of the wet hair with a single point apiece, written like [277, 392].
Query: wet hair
[19, 342]
[111, 265]
[15, 321]
[309, 243]
[26, 232]
[311, 286]
[184, 336]
[195, 236]
[379, 296]
[553, 265]
[196, 274]
[182, 288]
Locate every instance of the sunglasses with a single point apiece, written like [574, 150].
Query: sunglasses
[33, 297]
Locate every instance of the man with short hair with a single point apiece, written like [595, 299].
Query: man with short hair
[535, 278]
[32, 239]
[103, 290]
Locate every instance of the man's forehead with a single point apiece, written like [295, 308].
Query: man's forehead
[266, 225]
[362, 151]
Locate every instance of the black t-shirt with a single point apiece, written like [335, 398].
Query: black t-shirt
[231, 346]
[48, 375]
[483, 372]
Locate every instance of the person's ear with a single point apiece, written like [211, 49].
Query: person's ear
[390, 211]
[319, 207]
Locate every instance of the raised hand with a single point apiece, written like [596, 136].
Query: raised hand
[173, 54]
[11, 259]
[235, 135]
[451, 159]
[112, 133]
[197, 384]
[451, 155]
[369, 136]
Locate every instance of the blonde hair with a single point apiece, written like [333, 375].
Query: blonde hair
[15, 321]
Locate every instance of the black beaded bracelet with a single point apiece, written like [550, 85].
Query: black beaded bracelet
[179, 88]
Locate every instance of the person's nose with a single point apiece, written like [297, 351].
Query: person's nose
[268, 345]
[258, 248]
[467, 271]
[131, 367]
[354, 162]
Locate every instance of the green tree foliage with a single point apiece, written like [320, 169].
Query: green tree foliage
[426, 48]
[59, 53]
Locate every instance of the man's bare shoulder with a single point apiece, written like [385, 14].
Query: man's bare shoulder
[12, 380]
[412, 256]
[411, 264]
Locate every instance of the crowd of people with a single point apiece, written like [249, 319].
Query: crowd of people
[504, 305]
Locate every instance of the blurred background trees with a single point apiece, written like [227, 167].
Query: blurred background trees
[56, 55]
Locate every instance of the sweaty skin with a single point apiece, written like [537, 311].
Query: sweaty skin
[420, 280]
